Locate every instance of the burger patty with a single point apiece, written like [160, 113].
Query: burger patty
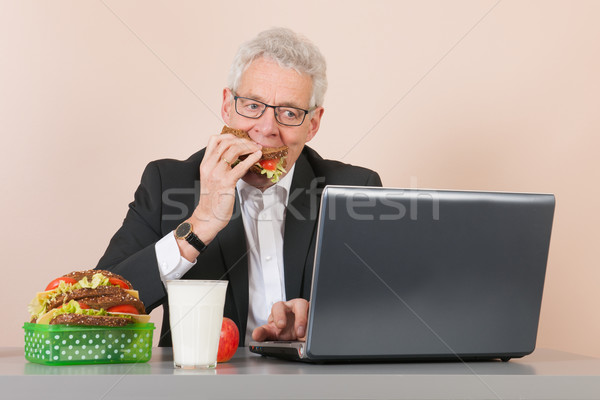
[96, 320]
[101, 297]
[78, 275]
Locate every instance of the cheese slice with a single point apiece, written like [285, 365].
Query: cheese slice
[45, 319]
[137, 318]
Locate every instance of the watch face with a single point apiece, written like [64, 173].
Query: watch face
[183, 230]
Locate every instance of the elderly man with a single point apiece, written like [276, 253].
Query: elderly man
[258, 235]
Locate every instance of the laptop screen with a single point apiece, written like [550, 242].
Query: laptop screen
[426, 273]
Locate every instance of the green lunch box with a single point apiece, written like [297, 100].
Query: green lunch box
[71, 344]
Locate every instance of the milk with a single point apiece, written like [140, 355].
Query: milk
[196, 315]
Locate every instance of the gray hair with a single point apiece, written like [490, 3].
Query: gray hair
[289, 50]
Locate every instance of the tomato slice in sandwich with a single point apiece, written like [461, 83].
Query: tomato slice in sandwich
[270, 165]
[54, 284]
[123, 308]
[118, 282]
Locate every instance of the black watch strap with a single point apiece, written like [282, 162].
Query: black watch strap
[196, 242]
[185, 231]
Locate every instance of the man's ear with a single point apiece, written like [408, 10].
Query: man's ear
[227, 105]
[314, 123]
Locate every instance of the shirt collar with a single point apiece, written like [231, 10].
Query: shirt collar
[282, 187]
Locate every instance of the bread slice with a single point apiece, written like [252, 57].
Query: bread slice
[268, 153]
[78, 275]
[94, 320]
[235, 132]
[101, 297]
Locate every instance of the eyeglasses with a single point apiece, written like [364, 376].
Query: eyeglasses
[288, 116]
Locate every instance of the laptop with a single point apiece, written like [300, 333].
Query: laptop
[417, 275]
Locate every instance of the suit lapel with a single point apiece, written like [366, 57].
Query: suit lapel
[300, 219]
[232, 241]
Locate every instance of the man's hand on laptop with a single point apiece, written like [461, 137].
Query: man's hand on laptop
[287, 321]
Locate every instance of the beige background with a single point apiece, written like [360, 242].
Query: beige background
[480, 95]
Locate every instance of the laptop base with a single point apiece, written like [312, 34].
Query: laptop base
[296, 351]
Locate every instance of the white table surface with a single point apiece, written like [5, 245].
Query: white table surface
[545, 374]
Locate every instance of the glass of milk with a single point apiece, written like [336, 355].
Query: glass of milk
[196, 316]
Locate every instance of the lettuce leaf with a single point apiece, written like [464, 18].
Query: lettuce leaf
[97, 280]
[39, 305]
[275, 174]
[73, 307]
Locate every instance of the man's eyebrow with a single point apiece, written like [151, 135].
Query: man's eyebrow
[290, 104]
[253, 97]
[284, 104]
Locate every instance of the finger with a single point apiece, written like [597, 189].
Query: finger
[229, 150]
[232, 154]
[224, 150]
[245, 146]
[226, 161]
[213, 141]
[211, 154]
[264, 332]
[279, 312]
[217, 144]
[242, 168]
[300, 310]
[259, 334]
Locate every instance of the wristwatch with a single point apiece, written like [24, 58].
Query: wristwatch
[185, 231]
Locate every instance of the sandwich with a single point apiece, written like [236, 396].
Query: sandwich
[272, 162]
[92, 297]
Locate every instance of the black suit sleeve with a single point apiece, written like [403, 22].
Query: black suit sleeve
[374, 179]
[131, 252]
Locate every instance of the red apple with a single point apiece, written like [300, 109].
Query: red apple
[229, 341]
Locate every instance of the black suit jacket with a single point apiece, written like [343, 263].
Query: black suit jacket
[168, 194]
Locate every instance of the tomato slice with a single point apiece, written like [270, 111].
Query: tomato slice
[123, 308]
[83, 306]
[118, 282]
[270, 165]
[54, 284]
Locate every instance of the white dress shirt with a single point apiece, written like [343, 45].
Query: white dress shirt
[263, 214]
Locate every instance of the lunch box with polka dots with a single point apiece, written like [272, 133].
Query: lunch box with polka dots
[70, 344]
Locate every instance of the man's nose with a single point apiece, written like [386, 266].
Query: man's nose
[267, 124]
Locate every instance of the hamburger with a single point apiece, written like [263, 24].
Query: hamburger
[92, 297]
[272, 162]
